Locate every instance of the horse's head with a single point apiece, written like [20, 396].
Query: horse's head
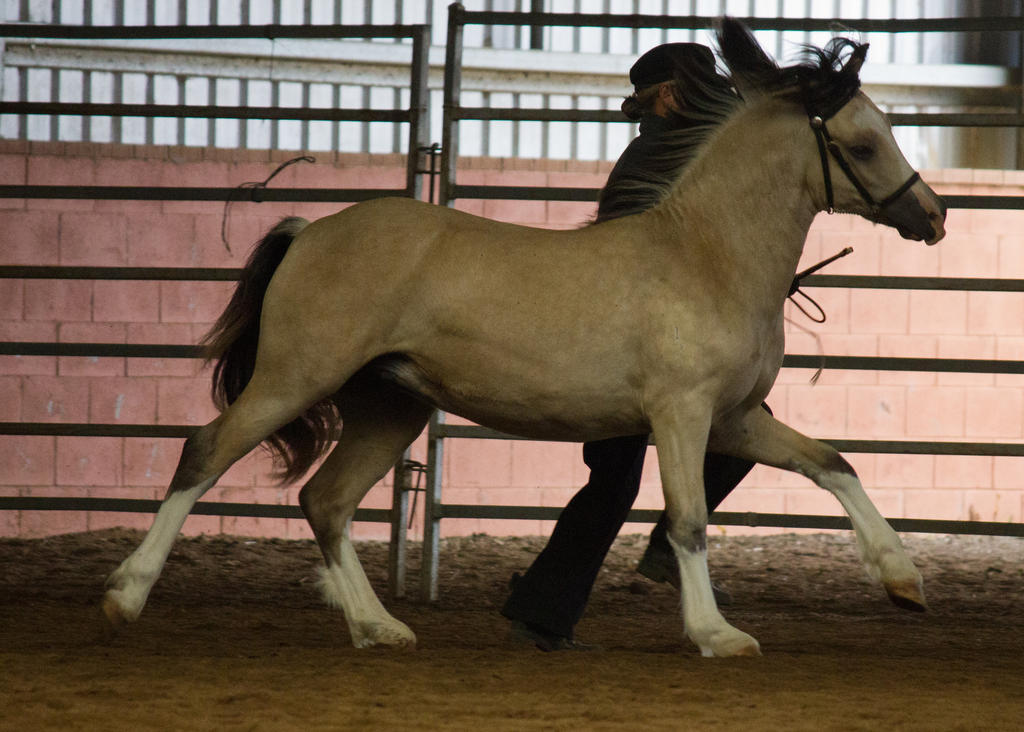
[858, 167]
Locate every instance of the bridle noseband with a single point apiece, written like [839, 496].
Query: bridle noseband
[825, 142]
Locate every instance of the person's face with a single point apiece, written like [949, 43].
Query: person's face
[666, 102]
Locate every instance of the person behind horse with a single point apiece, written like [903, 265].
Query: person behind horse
[548, 600]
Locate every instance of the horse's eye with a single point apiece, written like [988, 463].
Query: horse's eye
[862, 152]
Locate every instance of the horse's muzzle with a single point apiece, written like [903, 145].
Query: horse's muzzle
[920, 216]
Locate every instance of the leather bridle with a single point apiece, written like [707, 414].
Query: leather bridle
[826, 143]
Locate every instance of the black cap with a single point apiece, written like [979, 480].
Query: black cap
[660, 63]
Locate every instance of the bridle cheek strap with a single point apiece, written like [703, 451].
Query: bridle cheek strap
[826, 143]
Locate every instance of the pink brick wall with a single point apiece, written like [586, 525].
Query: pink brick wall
[854, 404]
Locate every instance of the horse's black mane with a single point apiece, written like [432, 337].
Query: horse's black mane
[822, 80]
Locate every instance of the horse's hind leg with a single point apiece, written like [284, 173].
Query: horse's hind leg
[261, 409]
[379, 422]
[763, 438]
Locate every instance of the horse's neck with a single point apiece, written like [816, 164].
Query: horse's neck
[749, 185]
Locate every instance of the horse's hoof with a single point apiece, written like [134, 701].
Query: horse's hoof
[112, 620]
[736, 643]
[384, 636]
[907, 595]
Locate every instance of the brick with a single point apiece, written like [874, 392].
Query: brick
[999, 313]
[10, 398]
[89, 461]
[473, 465]
[877, 412]
[191, 302]
[909, 259]
[904, 471]
[91, 365]
[993, 505]
[995, 413]
[99, 520]
[117, 171]
[812, 501]
[1011, 256]
[122, 400]
[28, 460]
[249, 525]
[66, 300]
[964, 254]
[29, 237]
[963, 471]
[943, 313]
[969, 347]
[59, 169]
[936, 412]
[818, 411]
[117, 301]
[55, 399]
[162, 334]
[92, 239]
[35, 524]
[150, 462]
[879, 311]
[162, 240]
[184, 401]
[543, 463]
[933, 504]
[12, 300]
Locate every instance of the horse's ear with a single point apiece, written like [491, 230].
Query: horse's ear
[856, 60]
[748, 63]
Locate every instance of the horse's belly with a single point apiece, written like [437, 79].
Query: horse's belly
[540, 408]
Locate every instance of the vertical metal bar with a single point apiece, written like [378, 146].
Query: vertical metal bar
[365, 126]
[54, 97]
[243, 124]
[335, 125]
[116, 129]
[536, 31]
[150, 99]
[419, 110]
[431, 504]
[181, 100]
[304, 129]
[452, 92]
[399, 510]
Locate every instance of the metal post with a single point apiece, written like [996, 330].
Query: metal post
[419, 110]
[452, 89]
[399, 510]
[431, 505]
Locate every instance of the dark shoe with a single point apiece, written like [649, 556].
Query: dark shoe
[659, 565]
[525, 633]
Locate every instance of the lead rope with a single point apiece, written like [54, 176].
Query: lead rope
[794, 289]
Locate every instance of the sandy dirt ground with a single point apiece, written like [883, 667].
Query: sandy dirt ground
[235, 636]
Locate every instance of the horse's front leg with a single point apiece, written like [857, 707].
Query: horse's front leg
[760, 437]
[681, 441]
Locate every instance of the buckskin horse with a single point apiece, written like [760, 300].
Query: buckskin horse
[357, 325]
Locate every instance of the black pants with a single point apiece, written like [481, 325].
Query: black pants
[553, 592]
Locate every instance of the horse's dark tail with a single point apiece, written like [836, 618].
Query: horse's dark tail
[231, 343]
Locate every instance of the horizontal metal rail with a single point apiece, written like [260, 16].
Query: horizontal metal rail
[270, 31]
[753, 519]
[256, 194]
[226, 274]
[796, 361]
[555, 193]
[206, 111]
[874, 447]
[142, 505]
[898, 119]
[990, 24]
[44, 272]
[79, 429]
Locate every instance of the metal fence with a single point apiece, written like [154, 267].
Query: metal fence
[435, 509]
[416, 116]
